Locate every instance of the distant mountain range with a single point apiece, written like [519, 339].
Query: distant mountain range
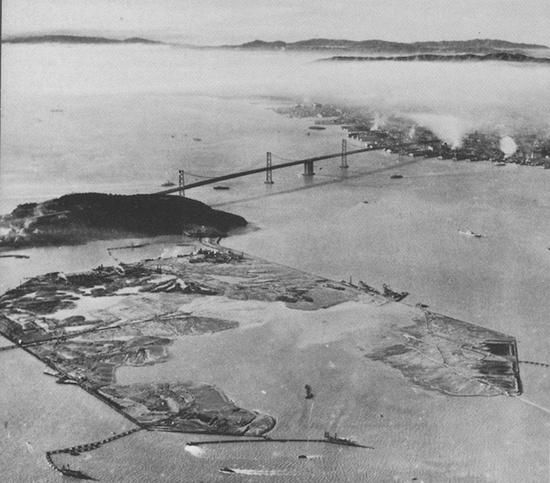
[496, 56]
[475, 45]
[74, 39]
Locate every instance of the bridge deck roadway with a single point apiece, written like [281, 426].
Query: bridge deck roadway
[263, 169]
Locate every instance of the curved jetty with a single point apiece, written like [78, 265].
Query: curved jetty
[81, 448]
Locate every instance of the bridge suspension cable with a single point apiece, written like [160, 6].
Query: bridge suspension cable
[307, 162]
[201, 176]
[284, 159]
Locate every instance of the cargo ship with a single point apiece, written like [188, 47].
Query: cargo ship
[336, 440]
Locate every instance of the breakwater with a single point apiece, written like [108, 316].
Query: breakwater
[533, 363]
[281, 440]
[82, 448]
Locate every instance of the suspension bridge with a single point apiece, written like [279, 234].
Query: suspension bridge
[268, 169]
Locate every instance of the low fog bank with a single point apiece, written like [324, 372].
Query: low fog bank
[450, 99]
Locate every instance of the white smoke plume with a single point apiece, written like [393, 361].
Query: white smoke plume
[448, 128]
[378, 122]
[195, 450]
[508, 146]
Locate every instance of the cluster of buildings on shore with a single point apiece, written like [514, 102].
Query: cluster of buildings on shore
[475, 146]
[404, 137]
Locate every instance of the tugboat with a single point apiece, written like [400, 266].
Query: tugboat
[470, 233]
[309, 393]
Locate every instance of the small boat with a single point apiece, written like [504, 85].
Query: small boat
[227, 471]
[317, 128]
[470, 233]
[168, 183]
[500, 164]
[13, 255]
[309, 393]
[221, 187]
[396, 176]
[309, 456]
[197, 139]
[51, 372]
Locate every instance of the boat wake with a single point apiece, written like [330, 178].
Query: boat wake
[251, 472]
[196, 451]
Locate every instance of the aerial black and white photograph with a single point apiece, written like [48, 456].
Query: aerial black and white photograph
[275, 241]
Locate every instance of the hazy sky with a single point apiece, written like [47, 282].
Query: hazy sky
[235, 21]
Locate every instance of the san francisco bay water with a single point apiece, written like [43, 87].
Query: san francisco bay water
[125, 119]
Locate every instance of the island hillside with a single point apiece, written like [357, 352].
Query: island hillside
[80, 217]
[74, 39]
[471, 57]
[375, 45]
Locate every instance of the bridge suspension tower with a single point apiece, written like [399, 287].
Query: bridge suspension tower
[344, 158]
[268, 170]
[181, 182]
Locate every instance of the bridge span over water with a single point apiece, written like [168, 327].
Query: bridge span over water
[268, 168]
